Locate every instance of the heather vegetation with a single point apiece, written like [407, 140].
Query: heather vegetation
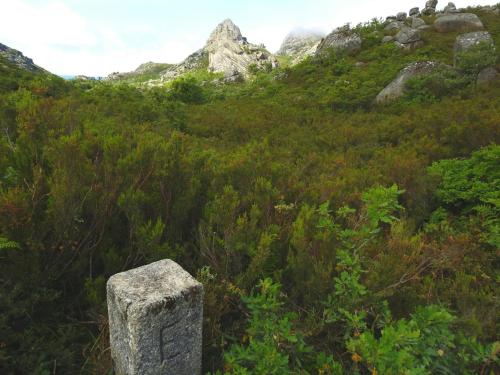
[332, 235]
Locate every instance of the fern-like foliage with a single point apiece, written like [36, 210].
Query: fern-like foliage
[7, 244]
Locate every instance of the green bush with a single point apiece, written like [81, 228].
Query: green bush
[476, 58]
[186, 90]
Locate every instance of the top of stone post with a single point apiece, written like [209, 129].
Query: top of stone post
[152, 286]
[155, 320]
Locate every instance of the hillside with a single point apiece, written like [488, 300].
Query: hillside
[342, 212]
[18, 59]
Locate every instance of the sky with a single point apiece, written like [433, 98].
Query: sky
[98, 37]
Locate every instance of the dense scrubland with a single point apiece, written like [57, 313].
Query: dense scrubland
[331, 235]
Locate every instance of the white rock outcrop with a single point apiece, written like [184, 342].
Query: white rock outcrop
[430, 7]
[230, 53]
[397, 87]
[227, 51]
[342, 39]
[461, 22]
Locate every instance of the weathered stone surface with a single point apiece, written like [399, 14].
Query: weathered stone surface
[342, 39]
[394, 25]
[415, 12]
[409, 46]
[431, 4]
[407, 35]
[155, 320]
[430, 7]
[465, 41]
[401, 16]
[387, 39]
[396, 88]
[450, 8]
[487, 76]
[300, 44]
[197, 60]
[417, 22]
[229, 51]
[461, 22]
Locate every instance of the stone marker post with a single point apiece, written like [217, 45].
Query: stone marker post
[155, 320]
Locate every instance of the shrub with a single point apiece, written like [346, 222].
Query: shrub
[476, 58]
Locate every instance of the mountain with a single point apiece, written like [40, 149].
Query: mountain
[143, 73]
[18, 59]
[231, 54]
[226, 52]
[197, 61]
[299, 44]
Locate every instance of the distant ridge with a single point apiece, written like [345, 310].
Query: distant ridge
[17, 58]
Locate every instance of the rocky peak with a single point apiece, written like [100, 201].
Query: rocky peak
[227, 51]
[18, 59]
[230, 53]
[226, 31]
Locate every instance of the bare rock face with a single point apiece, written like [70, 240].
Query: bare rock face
[430, 7]
[342, 39]
[417, 22]
[195, 61]
[396, 88]
[230, 53]
[409, 37]
[461, 22]
[18, 59]
[227, 51]
[300, 44]
[393, 25]
[401, 16]
[451, 8]
[155, 320]
[415, 12]
[486, 76]
[149, 68]
[466, 41]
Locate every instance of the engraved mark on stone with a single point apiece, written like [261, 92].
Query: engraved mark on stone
[168, 349]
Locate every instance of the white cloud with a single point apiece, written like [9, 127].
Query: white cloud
[63, 42]
[49, 23]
